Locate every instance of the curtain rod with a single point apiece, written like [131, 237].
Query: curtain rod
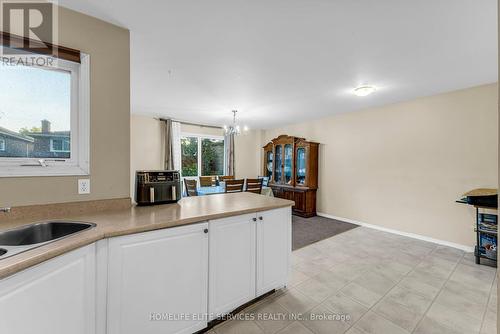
[194, 124]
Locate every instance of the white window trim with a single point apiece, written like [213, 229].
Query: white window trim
[200, 137]
[2, 144]
[58, 151]
[79, 163]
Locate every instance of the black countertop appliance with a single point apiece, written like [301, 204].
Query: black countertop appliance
[482, 197]
[157, 187]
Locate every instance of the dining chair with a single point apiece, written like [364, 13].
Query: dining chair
[226, 177]
[265, 180]
[207, 181]
[254, 186]
[234, 186]
[191, 187]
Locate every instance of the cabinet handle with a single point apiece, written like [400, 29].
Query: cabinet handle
[260, 218]
[254, 219]
[205, 230]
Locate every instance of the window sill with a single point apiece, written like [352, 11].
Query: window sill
[30, 171]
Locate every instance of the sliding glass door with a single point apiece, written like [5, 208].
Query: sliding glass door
[212, 156]
[189, 156]
[202, 155]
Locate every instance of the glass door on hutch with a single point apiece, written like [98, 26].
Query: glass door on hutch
[288, 164]
[278, 163]
[268, 161]
[306, 164]
[300, 166]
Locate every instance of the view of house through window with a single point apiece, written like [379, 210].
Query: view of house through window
[202, 156]
[35, 113]
[59, 145]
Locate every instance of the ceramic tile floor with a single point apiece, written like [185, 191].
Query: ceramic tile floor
[381, 283]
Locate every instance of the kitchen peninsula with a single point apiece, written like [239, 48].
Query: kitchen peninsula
[140, 268]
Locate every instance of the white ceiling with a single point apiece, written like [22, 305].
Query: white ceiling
[283, 61]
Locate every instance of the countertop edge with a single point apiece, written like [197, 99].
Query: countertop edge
[190, 221]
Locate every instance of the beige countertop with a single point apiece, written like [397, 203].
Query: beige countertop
[140, 219]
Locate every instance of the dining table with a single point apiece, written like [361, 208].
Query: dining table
[266, 191]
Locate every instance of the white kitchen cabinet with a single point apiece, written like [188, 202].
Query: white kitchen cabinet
[156, 277]
[249, 256]
[273, 249]
[231, 263]
[54, 297]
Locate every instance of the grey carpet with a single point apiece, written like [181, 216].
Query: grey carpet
[306, 231]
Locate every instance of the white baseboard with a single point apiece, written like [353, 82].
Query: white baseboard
[465, 248]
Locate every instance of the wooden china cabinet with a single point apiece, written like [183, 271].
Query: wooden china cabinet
[291, 163]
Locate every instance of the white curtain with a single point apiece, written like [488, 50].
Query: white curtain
[176, 145]
[172, 145]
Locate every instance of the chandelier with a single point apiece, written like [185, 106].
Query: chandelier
[234, 129]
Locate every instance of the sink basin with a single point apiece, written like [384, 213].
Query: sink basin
[40, 232]
[26, 237]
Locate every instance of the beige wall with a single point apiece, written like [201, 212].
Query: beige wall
[402, 166]
[146, 146]
[108, 46]
[201, 130]
[247, 158]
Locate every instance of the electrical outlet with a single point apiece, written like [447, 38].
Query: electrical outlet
[83, 186]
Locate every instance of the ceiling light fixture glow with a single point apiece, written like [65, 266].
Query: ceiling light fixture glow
[364, 90]
[235, 128]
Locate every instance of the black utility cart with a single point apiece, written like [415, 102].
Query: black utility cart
[485, 201]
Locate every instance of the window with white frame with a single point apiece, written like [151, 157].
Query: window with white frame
[60, 145]
[202, 155]
[2, 144]
[44, 114]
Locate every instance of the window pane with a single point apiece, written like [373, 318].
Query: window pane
[57, 145]
[189, 149]
[35, 109]
[60, 145]
[212, 157]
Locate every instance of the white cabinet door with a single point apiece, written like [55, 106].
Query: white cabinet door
[54, 297]
[273, 249]
[232, 263]
[157, 277]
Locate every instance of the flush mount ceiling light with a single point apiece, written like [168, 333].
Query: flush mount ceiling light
[364, 90]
